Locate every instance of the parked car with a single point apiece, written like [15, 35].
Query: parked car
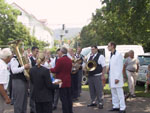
[138, 50]
[144, 61]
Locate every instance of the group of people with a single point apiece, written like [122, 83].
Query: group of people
[50, 79]
[61, 77]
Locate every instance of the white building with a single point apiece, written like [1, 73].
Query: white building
[38, 28]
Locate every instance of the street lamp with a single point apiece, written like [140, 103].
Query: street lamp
[63, 32]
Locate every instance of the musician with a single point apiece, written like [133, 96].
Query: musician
[116, 79]
[5, 57]
[74, 76]
[35, 51]
[49, 59]
[80, 71]
[96, 77]
[19, 85]
[62, 70]
[42, 90]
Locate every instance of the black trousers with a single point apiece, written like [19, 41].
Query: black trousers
[66, 99]
[10, 87]
[74, 85]
[43, 107]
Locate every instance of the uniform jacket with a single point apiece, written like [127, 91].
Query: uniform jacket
[63, 70]
[42, 84]
[115, 72]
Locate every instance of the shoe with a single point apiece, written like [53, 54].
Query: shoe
[145, 91]
[100, 106]
[91, 105]
[31, 112]
[114, 109]
[75, 99]
[127, 96]
[54, 107]
[122, 111]
[133, 96]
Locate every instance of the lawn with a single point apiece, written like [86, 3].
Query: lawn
[139, 90]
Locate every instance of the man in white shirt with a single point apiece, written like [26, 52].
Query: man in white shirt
[19, 85]
[131, 66]
[96, 77]
[116, 79]
[5, 57]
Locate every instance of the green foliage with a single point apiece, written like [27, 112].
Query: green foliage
[121, 21]
[10, 29]
[139, 90]
[53, 50]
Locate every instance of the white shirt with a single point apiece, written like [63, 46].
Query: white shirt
[30, 60]
[53, 62]
[69, 56]
[4, 74]
[15, 66]
[101, 60]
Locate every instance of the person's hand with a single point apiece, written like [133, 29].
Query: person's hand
[103, 80]
[27, 66]
[102, 77]
[116, 81]
[57, 83]
[125, 75]
[7, 100]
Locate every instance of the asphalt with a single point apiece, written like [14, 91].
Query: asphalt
[134, 105]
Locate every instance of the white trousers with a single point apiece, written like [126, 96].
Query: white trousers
[118, 100]
[132, 76]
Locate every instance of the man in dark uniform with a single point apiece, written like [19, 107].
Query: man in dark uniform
[35, 51]
[95, 78]
[80, 57]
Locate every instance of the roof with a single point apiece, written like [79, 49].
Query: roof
[41, 22]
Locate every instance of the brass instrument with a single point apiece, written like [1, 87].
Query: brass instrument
[22, 57]
[90, 66]
[76, 64]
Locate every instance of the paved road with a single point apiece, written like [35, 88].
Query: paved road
[138, 105]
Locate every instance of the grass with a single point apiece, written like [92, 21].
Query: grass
[139, 90]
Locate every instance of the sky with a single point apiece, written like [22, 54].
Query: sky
[72, 13]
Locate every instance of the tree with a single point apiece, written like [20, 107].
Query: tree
[121, 21]
[11, 29]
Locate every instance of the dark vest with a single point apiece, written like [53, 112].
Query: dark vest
[18, 75]
[99, 68]
[33, 62]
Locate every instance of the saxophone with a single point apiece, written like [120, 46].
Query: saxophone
[22, 57]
